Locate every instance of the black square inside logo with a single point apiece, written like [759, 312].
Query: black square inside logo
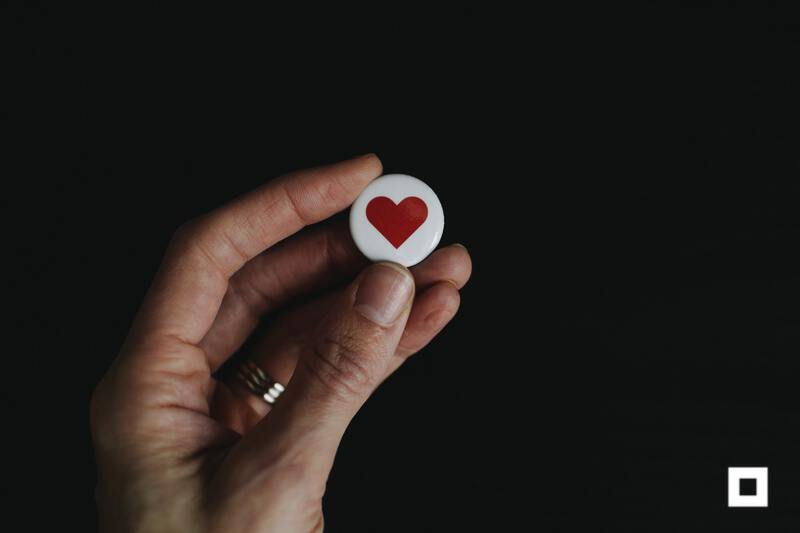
[747, 487]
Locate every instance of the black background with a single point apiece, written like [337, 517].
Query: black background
[626, 180]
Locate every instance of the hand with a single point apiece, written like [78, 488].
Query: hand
[179, 450]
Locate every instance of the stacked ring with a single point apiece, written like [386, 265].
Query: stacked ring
[259, 382]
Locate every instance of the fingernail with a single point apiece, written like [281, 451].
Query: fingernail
[383, 293]
[459, 245]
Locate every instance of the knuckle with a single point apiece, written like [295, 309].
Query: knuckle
[186, 230]
[191, 230]
[343, 364]
[185, 234]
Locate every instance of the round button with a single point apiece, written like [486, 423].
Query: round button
[397, 218]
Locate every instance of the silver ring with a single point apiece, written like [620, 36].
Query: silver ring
[259, 382]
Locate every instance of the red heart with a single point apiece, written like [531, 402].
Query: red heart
[396, 222]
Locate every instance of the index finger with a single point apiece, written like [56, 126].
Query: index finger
[205, 253]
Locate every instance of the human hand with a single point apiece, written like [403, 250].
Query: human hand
[179, 450]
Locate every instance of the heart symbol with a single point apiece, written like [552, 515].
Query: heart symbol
[396, 222]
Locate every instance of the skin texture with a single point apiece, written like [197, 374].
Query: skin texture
[177, 449]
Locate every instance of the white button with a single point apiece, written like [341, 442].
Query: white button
[397, 218]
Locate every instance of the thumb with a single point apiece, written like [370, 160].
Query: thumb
[340, 365]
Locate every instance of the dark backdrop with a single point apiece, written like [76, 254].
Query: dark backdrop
[625, 179]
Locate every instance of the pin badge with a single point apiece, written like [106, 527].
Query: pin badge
[397, 218]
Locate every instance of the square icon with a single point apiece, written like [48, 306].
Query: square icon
[747, 486]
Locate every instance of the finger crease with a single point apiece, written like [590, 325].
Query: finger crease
[298, 212]
[212, 260]
[260, 302]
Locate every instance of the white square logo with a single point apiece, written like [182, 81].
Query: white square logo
[747, 486]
